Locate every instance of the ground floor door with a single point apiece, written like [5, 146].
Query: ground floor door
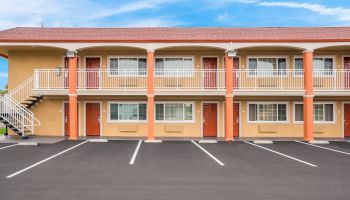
[66, 118]
[92, 119]
[209, 120]
[235, 119]
[347, 120]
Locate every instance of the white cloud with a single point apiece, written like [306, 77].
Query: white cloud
[78, 13]
[3, 75]
[223, 17]
[152, 22]
[340, 13]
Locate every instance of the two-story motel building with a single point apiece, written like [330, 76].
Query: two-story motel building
[178, 82]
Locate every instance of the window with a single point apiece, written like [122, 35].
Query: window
[174, 66]
[322, 66]
[298, 67]
[174, 111]
[127, 111]
[267, 66]
[127, 66]
[268, 112]
[323, 112]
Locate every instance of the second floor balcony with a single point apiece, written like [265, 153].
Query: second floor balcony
[191, 82]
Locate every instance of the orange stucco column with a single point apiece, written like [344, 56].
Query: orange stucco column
[229, 98]
[73, 99]
[309, 96]
[150, 117]
[150, 94]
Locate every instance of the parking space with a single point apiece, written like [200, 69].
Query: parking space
[341, 146]
[18, 157]
[323, 158]
[5, 145]
[240, 155]
[174, 170]
[173, 154]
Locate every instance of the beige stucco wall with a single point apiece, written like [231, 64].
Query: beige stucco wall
[50, 113]
[22, 64]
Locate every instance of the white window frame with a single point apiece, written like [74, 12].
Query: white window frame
[126, 121]
[268, 122]
[125, 56]
[295, 74]
[177, 121]
[318, 122]
[320, 56]
[267, 56]
[183, 57]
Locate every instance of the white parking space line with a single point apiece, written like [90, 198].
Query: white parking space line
[343, 152]
[209, 154]
[132, 161]
[47, 159]
[5, 147]
[281, 154]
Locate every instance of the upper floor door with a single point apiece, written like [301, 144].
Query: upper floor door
[235, 75]
[93, 64]
[209, 76]
[66, 74]
[347, 71]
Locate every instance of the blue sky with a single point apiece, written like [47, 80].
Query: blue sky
[171, 13]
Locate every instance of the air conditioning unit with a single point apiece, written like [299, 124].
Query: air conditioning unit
[231, 53]
[70, 53]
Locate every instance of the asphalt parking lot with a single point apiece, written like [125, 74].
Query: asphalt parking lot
[175, 170]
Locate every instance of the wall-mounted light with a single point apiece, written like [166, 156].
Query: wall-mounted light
[58, 71]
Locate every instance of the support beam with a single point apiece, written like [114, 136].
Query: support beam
[150, 95]
[73, 99]
[309, 96]
[229, 98]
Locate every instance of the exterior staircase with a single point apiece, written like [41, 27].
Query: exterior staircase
[15, 107]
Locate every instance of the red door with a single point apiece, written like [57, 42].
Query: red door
[66, 69]
[92, 119]
[347, 72]
[209, 120]
[346, 120]
[67, 120]
[92, 76]
[235, 73]
[235, 119]
[210, 66]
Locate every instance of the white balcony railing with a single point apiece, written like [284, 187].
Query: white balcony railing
[188, 80]
[268, 80]
[193, 80]
[112, 79]
[327, 80]
[51, 79]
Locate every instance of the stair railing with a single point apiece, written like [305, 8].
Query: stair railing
[23, 90]
[14, 112]
[17, 115]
